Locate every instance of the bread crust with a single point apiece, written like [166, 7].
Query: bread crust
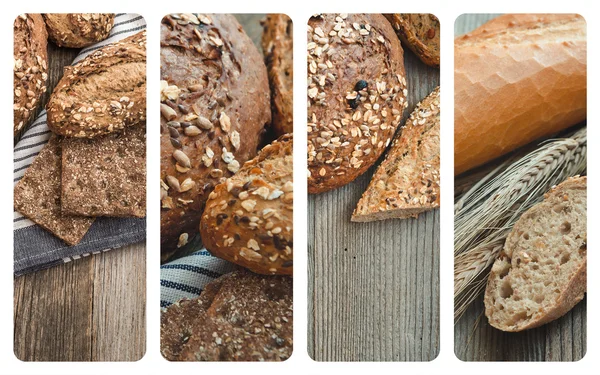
[421, 33]
[356, 92]
[77, 30]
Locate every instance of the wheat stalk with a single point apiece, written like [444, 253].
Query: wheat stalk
[486, 213]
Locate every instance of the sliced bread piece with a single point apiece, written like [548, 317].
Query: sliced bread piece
[408, 181]
[541, 273]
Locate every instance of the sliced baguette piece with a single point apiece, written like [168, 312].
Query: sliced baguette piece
[408, 181]
[541, 273]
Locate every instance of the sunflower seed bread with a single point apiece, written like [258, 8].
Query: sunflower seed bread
[30, 67]
[356, 95]
[277, 44]
[421, 33]
[215, 103]
[248, 219]
[541, 273]
[408, 181]
[103, 93]
[240, 316]
[77, 30]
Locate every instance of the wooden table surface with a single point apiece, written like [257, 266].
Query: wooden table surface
[475, 340]
[91, 309]
[374, 287]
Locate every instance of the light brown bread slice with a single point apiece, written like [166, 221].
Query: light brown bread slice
[408, 181]
[541, 273]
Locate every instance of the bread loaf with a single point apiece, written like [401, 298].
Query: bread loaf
[30, 69]
[522, 79]
[77, 30]
[541, 273]
[215, 104]
[103, 93]
[356, 95]
[408, 181]
[421, 33]
[248, 219]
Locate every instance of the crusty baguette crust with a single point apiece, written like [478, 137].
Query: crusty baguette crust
[516, 84]
[420, 33]
[77, 30]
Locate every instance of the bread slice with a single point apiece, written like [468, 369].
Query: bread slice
[408, 181]
[541, 273]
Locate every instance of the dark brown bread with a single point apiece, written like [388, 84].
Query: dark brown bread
[30, 69]
[105, 176]
[238, 317]
[421, 33]
[103, 93]
[357, 94]
[77, 30]
[248, 219]
[277, 44]
[37, 196]
[214, 107]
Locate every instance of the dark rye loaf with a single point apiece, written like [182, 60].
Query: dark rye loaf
[77, 30]
[215, 104]
[421, 33]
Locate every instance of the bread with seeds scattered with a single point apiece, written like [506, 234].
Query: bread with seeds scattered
[215, 103]
[421, 33]
[356, 95]
[30, 67]
[103, 93]
[248, 219]
[240, 316]
[78, 30]
[541, 273]
[408, 181]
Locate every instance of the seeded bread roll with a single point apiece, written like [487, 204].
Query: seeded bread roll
[30, 69]
[357, 94]
[248, 220]
[408, 181]
[77, 30]
[421, 33]
[541, 273]
[103, 93]
[215, 104]
[277, 44]
[238, 317]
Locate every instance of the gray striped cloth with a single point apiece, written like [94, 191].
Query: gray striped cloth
[35, 248]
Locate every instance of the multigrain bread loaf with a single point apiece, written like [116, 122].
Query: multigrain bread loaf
[541, 273]
[215, 104]
[77, 30]
[103, 93]
[408, 181]
[277, 44]
[30, 67]
[238, 317]
[517, 81]
[421, 33]
[248, 219]
[356, 95]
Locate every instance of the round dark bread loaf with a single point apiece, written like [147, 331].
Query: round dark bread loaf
[240, 316]
[421, 33]
[214, 107]
[77, 30]
[357, 94]
[248, 219]
[277, 44]
[30, 69]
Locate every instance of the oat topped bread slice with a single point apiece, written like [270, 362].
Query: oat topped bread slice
[105, 176]
[37, 196]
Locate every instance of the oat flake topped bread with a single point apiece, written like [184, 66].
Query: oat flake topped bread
[77, 30]
[238, 317]
[30, 69]
[248, 219]
[421, 33]
[356, 92]
[103, 93]
[408, 181]
[215, 103]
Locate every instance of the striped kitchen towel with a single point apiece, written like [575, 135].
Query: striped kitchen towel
[35, 248]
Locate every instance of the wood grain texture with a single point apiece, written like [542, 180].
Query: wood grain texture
[374, 287]
[474, 339]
